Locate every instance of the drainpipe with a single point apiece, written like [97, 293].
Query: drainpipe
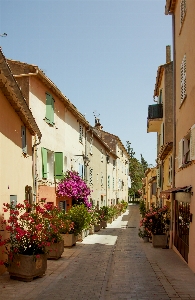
[85, 167]
[34, 169]
[172, 195]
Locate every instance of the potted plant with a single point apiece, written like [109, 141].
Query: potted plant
[80, 216]
[67, 230]
[26, 244]
[103, 216]
[55, 244]
[94, 225]
[157, 220]
[72, 185]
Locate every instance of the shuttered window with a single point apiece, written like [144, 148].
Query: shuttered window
[23, 137]
[49, 109]
[58, 165]
[108, 181]
[192, 143]
[90, 176]
[44, 162]
[183, 79]
[182, 11]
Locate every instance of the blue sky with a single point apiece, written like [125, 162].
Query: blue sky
[102, 54]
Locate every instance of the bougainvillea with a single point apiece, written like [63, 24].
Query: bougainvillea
[74, 186]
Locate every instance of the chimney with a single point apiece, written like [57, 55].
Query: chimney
[168, 54]
[98, 124]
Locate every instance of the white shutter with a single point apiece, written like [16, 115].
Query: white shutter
[192, 143]
[180, 153]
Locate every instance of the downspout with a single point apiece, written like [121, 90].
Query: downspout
[34, 169]
[172, 227]
[85, 166]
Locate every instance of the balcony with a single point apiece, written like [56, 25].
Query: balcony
[155, 115]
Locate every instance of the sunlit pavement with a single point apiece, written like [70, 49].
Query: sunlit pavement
[111, 264]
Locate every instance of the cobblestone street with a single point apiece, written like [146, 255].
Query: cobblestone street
[112, 264]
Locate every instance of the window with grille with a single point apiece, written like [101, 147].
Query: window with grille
[91, 146]
[81, 133]
[183, 79]
[113, 183]
[102, 180]
[182, 11]
[108, 181]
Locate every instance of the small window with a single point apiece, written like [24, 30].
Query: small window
[90, 176]
[80, 133]
[113, 183]
[49, 117]
[62, 205]
[170, 169]
[108, 181]
[102, 179]
[114, 163]
[91, 146]
[102, 156]
[23, 136]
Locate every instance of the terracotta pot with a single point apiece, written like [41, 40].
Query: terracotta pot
[27, 267]
[55, 250]
[91, 229]
[69, 239]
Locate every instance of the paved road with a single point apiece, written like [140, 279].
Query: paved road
[113, 264]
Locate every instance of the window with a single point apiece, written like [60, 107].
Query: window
[184, 151]
[170, 169]
[81, 169]
[102, 180]
[160, 101]
[182, 11]
[90, 176]
[49, 109]
[108, 181]
[52, 164]
[113, 183]
[102, 156]
[23, 136]
[183, 79]
[81, 133]
[62, 205]
[114, 163]
[91, 146]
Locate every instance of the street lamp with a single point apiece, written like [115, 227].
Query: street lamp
[3, 35]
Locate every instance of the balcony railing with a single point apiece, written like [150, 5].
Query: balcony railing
[155, 111]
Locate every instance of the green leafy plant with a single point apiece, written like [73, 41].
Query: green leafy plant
[80, 216]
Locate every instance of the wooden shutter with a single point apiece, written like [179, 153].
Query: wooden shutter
[49, 109]
[180, 153]
[192, 143]
[44, 162]
[59, 165]
[23, 135]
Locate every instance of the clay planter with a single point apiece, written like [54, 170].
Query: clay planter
[159, 241]
[69, 239]
[146, 239]
[81, 236]
[55, 250]
[27, 267]
[103, 224]
[97, 227]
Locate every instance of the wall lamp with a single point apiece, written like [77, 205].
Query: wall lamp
[85, 159]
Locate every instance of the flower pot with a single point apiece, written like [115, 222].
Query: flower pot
[97, 227]
[27, 267]
[69, 239]
[146, 239]
[55, 250]
[159, 240]
[103, 224]
[91, 229]
[86, 232]
[110, 220]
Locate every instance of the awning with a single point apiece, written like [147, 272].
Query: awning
[166, 193]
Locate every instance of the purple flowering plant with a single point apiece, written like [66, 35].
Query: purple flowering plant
[72, 185]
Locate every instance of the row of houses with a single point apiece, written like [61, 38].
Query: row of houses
[172, 117]
[43, 135]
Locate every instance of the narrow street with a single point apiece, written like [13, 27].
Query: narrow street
[112, 264]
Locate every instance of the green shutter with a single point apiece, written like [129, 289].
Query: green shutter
[44, 162]
[58, 165]
[49, 109]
